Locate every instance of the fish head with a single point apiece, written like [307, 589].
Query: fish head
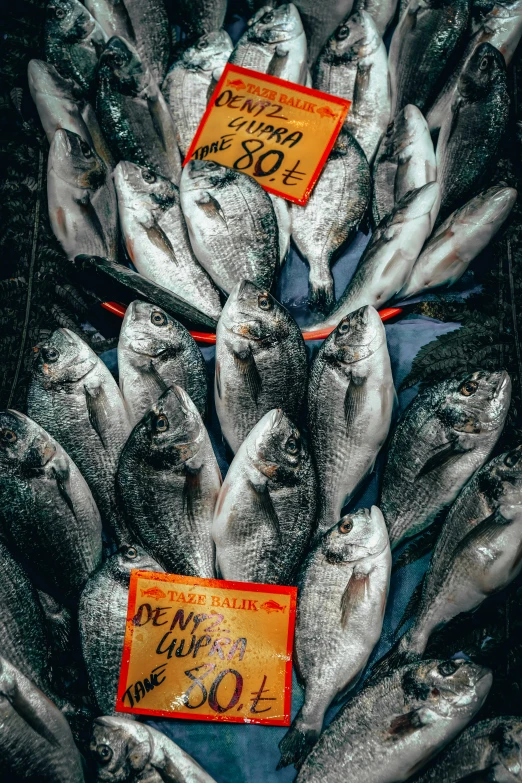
[275, 447]
[69, 20]
[44, 79]
[130, 557]
[62, 359]
[172, 432]
[491, 206]
[205, 175]
[483, 70]
[211, 51]
[149, 331]
[275, 25]
[356, 37]
[75, 162]
[252, 317]
[121, 64]
[356, 536]
[135, 182]
[24, 445]
[477, 403]
[501, 479]
[506, 750]
[120, 748]
[356, 337]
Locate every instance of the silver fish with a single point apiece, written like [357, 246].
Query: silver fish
[332, 215]
[396, 724]
[75, 398]
[122, 748]
[102, 616]
[47, 512]
[155, 352]
[266, 508]
[260, 362]
[350, 404]
[231, 222]
[191, 80]
[151, 28]
[353, 560]
[445, 434]
[156, 236]
[113, 18]
[199, 17]
[81, 198]
[274, 43]
[283, 211]
[320, 20]
[381, 11]
[453, 246]
[169, 481]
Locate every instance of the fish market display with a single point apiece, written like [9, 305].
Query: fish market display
[381, 11]
[199, 17]
[445, 434]
[191, 80]
[265, 512]
[81, 197]
[332, 215]
[133, 112]
[274, 43]
[121, 747]
[395, 725]
[156, 236]
[333, 642]
[169, 482]
[471, 132]
[47, 512]
[231, 222]
[75, 398]
[350, 403]
[102, 616]
[155, 352]
[260, 362]
[320, 20]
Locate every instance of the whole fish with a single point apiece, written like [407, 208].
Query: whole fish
[73, 40]
[381, 11]
[191, 81]
[353, 559]
[155, 352]
[453, 246]
[231, 222]
[151, 28]
[102, 615]
[133, 112]
[320, 20]
[502, 28]
[395, 725]
[169, 481]
[283, 212]
[350, 404]
[113, 18]
[445, 434]
[388, 258]
[75, 398]
[120, 746]
[274, 43]
[81, 197]
[330, 219]
[200, 17]
[36, 744]
[47, 513]
[472, 131]
[156, 236]
[260, 362]
[265, 512]
[405, 161]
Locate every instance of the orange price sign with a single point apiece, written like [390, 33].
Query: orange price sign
[207, 649]
[277, 131]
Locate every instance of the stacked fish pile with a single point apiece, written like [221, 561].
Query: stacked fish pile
[97, 480]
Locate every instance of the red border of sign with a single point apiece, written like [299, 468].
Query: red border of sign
[230, 68]
[250, 587]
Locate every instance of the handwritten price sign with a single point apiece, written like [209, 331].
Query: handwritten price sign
[207, 649]
[278, 132]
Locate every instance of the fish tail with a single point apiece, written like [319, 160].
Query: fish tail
[296, 745]
[321, 296]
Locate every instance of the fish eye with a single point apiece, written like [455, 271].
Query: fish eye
[8, 436]
[484, 63]
[158, 319]
[103, 751]
[202, 44]
[468, 388]
[148, 176]
[343, 33]
[345, 525]
[268, 17]
[292, 446]
[447, 668]
[132, 554]
[264, 302]
[86, 150]
[162, 423]
[211, 165]
[50, 354]
[344, 327]
[435, 693]
[511, 460]
[57, 11]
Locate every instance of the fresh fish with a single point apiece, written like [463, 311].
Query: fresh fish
[320, 20]
[260, 362]
[502, 28]
[396, 724]
[231, 222]
[445, 434]
[60, 104]
[283, 211]
[330, 219]
[388, 259]
[75, 398]
[353, 559]
[156, 236]
[455, 244]
[122, 747]
[36, 744]
[191, 81]
[472, 131]
[133, 111]
[102, 616]
[155, 352]
[381, 11]
[200, 17]
[427, 35]
[73, 40]
[113, 18]
[274, 43]
[169, 481]
[81, 197]
[265, 512]
[350, 404]
[151, 28]
[405, 161]
[47, 513]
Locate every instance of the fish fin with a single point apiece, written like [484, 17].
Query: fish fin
[354, 593]
[390, 662]
[296, 745]
[321, 296]
[96, 399]
[411, 606]
[29, 714]
[403, 725]
[361, 85]
[62, 478]
[159, 239]
[218, 379]
[211, 207]
[265, 508]
[191, 493]
[278, 61]
[89, 212]
[246, 364]
[455, 111]
[442, 458]
[353, 399]
[417, 547]
[153, 381]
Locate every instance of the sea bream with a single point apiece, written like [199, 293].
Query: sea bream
[320, 20]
